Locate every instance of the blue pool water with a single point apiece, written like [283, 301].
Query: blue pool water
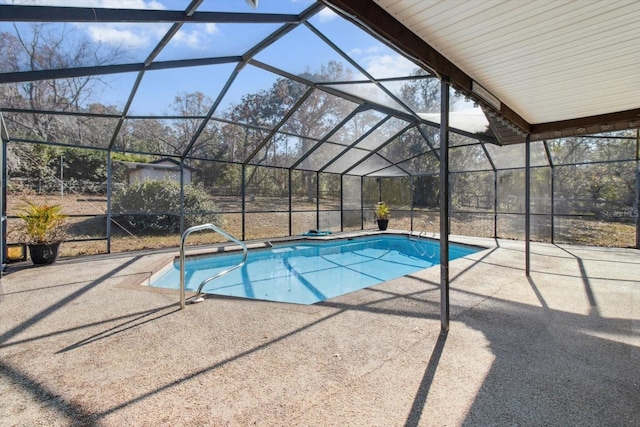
[308, 272]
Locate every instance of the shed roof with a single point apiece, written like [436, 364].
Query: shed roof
[166, 163]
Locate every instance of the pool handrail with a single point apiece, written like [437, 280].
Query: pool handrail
[423, 231]
[183, 239]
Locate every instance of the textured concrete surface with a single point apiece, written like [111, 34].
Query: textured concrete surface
[82, 344]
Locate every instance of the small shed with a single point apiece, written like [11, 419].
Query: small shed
[165, 168]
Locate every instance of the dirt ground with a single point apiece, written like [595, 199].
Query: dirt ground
[88, 221]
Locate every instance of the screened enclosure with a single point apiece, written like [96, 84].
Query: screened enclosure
[270, 122]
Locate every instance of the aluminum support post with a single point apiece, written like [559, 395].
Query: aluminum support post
[444, 207]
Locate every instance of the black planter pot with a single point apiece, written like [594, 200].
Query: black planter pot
[44, 254]
[382, 224]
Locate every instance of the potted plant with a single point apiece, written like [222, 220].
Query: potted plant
[382, 214]
[43, 231]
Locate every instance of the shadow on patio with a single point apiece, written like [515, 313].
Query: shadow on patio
[556, 349]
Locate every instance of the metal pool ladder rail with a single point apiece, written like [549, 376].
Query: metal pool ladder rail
[198, 297]
[414, 238]
[423, 231]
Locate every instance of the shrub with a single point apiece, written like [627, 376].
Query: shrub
[382, 211]
[154, 206]
[43, 224]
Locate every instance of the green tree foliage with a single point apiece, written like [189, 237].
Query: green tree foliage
[42, 166]
[426, 191]
[154, 206]
[39, 46]
[317, 116]
[267, 182]
[586, 150]
[422, 95]
[329, 191]
[216, 177]
[263, 109]
[596, 188]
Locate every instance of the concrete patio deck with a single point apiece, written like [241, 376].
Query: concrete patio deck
[81, 344]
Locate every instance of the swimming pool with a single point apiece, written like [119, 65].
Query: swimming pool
[306, 272]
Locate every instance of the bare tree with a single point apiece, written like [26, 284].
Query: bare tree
[40, 46]
[189, 105]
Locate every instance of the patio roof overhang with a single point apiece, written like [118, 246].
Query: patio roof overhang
[548, 68]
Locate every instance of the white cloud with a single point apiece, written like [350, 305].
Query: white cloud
[370, 51]
[211, 28]
[32, 2]
[130, 4]
[382, 65]
[326, 15]
[123, 35]
[389, 66]
[119, 36]
[195, 36]
[191, 39]
[120, 4]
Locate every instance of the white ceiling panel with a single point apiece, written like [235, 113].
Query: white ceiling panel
[548, 60]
